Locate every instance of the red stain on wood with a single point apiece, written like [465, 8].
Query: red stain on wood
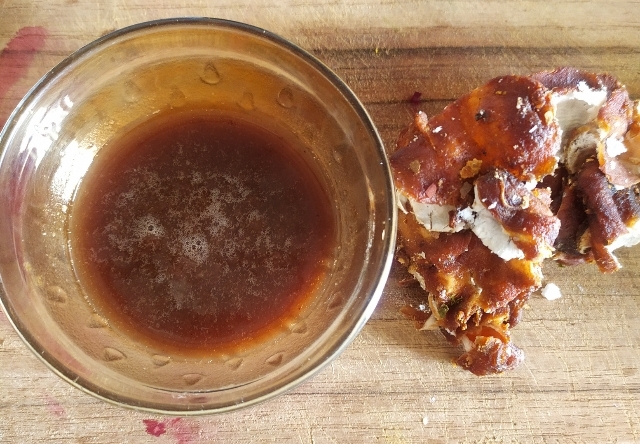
[183, 431]
[415, 99]
[55, 408]
[155, 428]
[17, 56]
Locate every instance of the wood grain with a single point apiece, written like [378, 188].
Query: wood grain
[581, 379]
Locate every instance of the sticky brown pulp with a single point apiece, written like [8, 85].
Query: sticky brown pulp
[196, 231]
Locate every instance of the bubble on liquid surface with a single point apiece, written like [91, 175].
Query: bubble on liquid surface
[246, 102]
[234, 363]
[148, 226]
[196, 178]
[336, 301]
[192, 378]
[160, 360]
[97, 321]
[66, 103]
[56, 294]
[338, 152]
[299, 328]
[195, 247]
[276, 359]
[131, 92]
[285, 98]
[210, 74]
[177, 98]
[111, 354]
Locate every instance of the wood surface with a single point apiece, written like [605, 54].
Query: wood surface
[580, 381]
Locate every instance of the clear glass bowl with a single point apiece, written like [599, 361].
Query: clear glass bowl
[56, 131]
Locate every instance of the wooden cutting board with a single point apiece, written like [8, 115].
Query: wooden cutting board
[580, 381]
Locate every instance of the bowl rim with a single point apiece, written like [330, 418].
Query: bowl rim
[389, 231]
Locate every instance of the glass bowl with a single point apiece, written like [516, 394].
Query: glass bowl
[86, 101]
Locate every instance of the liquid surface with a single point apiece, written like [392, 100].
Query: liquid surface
[195, 231]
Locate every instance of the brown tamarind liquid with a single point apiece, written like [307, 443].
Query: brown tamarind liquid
[196, 231]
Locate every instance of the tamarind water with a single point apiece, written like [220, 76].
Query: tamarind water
[197, 230]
